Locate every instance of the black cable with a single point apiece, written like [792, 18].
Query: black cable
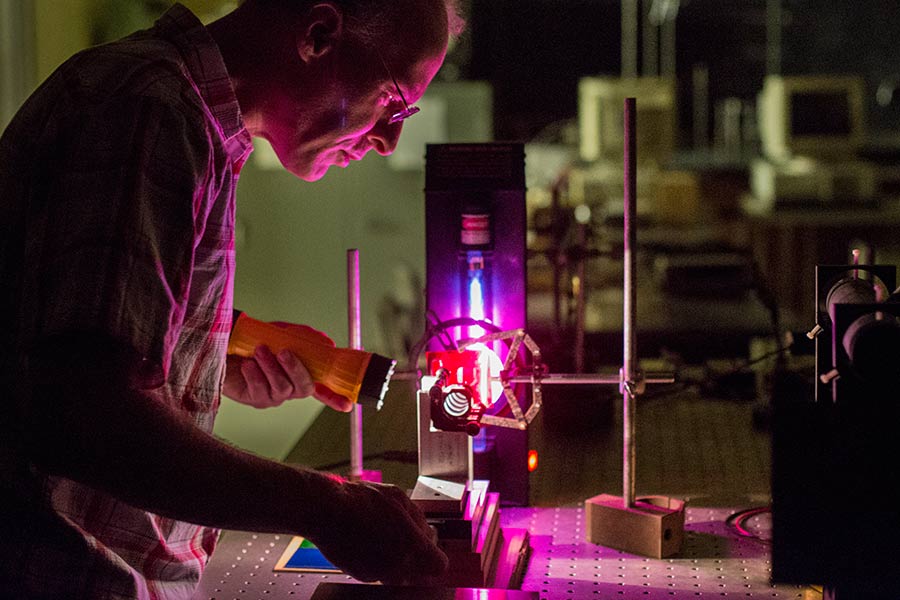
[766, 295]
[687, 384]
[750, 362]
[440, 329]
[736, 522]
[436, 330]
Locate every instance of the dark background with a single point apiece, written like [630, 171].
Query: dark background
[534, 52]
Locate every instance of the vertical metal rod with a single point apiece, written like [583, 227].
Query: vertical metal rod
[651, 42]
[774, 17]
[667, 61]
[700, 78]
[629, 329]
[580, 300]
[630, 16]
[355, 341]
[556, 211]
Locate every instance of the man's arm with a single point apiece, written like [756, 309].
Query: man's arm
[86, 421]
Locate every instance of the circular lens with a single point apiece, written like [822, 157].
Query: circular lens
[456, 403]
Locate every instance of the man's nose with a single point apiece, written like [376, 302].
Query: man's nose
[384, 136]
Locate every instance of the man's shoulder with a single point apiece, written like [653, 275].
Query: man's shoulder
[133, 67]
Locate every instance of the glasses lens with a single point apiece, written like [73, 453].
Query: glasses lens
[403, 114]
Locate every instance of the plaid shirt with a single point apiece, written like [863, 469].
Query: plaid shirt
[117, 182]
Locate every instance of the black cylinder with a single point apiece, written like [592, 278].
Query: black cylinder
[849, 291]
[872, 343]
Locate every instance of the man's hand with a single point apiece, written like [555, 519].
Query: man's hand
[374, 532]
[267, 380]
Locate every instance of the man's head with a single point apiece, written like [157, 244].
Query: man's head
[319, 84]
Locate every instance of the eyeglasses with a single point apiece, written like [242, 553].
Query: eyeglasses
[408, 110]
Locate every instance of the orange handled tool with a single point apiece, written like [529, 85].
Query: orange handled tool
[360, 376]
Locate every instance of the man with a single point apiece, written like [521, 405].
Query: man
[116, 255]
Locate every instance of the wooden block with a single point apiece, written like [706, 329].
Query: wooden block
[512, 559]
[467, 520]
[465, 568]
[452, 529]
[653, 527]
[439, 497]
[449, 499]
[478, 490]
[484, 530]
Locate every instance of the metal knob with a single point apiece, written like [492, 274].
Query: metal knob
[814, 332]
[829, 376]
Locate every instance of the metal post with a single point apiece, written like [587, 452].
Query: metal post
[667, 62]
[355, 341]
[700, 78]
[630, 17]
[651, 42]
[580, 298]
[774, 17]
[629, 357]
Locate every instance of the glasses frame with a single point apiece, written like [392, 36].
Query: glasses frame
[408, 110]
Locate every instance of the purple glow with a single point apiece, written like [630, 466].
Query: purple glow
[476, 302]
[476, 297]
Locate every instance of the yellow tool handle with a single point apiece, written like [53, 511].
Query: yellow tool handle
[341, 369]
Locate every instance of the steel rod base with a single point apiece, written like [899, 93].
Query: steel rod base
[653, 526]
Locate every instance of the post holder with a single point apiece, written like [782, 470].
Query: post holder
[653, 526]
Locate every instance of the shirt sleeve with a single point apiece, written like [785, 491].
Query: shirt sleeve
[113, 228]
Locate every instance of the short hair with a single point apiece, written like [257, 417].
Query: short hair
[374, 18]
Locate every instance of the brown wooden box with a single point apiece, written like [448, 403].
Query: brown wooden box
[653, 527]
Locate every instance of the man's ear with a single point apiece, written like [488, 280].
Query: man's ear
[320, 31]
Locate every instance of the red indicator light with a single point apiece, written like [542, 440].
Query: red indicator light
[532, 461]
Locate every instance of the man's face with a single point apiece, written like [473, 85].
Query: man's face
[350, 115]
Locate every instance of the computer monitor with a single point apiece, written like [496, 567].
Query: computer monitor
[600, 117]
[820, 116]
[452, 111]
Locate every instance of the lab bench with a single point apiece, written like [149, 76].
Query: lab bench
[717, 560]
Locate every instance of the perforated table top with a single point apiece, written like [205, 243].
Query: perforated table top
[716, 561]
